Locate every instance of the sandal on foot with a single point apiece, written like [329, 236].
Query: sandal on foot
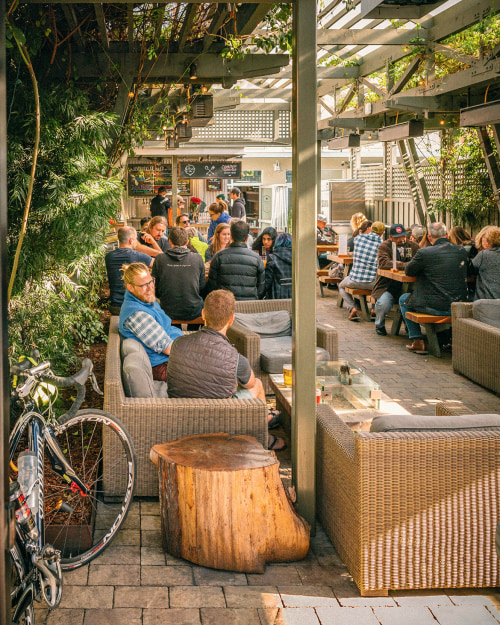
[273, 443]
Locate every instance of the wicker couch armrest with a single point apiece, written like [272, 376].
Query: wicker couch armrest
[461, 310]
[247, 343]
[327, 338]
[451, 408]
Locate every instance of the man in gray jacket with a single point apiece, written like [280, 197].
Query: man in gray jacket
[237, 209]
[204, 364]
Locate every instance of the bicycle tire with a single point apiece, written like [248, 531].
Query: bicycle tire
[101, 452]
[17, 587]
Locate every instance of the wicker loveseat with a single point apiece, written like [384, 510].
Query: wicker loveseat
[476, 347]
[410, 510]
[248, 343]
[151, 421]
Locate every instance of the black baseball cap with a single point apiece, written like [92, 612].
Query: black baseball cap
[397, 231]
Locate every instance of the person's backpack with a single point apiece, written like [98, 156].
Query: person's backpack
[336, 270]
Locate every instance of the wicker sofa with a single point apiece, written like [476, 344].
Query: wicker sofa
[410, 510]
[151, 421]
[248, 343]
[476, 347]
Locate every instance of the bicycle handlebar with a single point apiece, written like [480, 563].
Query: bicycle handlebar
[77, 380]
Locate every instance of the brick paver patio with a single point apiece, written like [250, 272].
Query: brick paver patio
[134, 582]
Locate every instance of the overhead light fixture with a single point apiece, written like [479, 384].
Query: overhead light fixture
[481, 114]
[342, 143]
[442, 122]
[204, 89]
[131, 94]
[193, 74]
[405, 130]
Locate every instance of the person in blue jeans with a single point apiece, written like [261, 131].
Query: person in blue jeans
[386, 292]
[441, 271]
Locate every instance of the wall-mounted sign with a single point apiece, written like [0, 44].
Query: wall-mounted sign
[188, 171]
[214, 184]
[141, 180]
[184, 187]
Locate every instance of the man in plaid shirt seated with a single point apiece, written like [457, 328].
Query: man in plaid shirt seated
[142, 319]
[364, 266]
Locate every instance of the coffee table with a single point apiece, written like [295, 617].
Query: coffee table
[353, 395]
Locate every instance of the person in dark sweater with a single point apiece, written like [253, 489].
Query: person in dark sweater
[205, 365]
[441, 271]
[180, 278]
[238, 209]
[237, 268]
[279, 269]
[123, 255]
[160, 204]
[154, 241]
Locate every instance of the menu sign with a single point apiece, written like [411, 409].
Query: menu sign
[214, 184]
[188, 171]
[140, 180]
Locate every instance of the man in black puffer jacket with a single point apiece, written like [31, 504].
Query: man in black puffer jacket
[237, 268]
[441, 271]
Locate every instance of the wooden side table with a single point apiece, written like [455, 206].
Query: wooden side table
[223, 504]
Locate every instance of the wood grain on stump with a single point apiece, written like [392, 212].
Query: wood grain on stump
[223, 504]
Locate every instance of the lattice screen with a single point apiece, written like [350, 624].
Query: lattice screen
[244, 126]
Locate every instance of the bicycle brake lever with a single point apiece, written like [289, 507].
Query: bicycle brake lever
[95, 386]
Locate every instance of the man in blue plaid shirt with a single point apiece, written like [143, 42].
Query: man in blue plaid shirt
[364, 266]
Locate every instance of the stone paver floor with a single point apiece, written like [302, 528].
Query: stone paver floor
[134, 582]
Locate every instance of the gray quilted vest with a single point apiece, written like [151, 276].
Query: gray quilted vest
[202, 365]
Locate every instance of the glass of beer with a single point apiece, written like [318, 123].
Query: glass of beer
[287, 375]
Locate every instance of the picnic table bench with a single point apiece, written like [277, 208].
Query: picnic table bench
[361, 295]
[430, 323]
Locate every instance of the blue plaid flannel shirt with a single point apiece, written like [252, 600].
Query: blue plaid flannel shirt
[364, 266]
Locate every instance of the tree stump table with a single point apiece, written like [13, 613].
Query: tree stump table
[223, 504]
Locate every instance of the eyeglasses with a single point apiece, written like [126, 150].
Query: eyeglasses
[185, 221]
[145, 286]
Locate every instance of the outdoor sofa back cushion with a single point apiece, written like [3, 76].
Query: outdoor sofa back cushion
[137, 375]
[276, 352]
[418, 423]
[487, 311]
[267, 324]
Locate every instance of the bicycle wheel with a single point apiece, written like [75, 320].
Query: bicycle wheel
[101, 453]
[21, 596]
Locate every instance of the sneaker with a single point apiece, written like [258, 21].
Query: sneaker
[380, 330]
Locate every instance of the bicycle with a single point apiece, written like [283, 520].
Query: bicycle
[84, 482]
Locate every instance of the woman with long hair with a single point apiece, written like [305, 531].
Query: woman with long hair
[279, 269]
[264, 243]
[218, 215]
[221, 240]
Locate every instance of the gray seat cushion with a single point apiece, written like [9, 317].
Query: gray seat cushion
[418, 423]
[267, 324]
[276, 352]
[137, 375]
[487, 311]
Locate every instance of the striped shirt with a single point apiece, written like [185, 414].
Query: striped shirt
[364, 266]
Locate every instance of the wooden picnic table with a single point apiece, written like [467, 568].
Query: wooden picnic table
[399, 276]
[326, 247]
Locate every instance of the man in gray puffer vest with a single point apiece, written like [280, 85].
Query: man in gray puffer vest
[204, 364]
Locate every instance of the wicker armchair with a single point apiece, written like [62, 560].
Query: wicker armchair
[248, 343]
[476, 348]
[410, 510]
[153, 421]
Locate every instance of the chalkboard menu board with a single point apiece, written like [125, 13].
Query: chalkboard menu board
[209, 170]
[184, 187]
[140, 180]
[214, 184]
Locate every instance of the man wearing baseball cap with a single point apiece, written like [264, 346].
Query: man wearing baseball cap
[364, 266]
[387, 291]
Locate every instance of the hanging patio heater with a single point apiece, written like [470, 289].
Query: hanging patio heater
[184, 132]
[202, 111]
[399, 132]
[481, 115]
[345, 142]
